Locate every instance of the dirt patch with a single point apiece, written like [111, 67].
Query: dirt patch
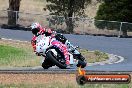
[37, 78]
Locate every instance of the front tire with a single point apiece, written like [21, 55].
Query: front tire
[81, 60]
[81, 64]
[54, 60]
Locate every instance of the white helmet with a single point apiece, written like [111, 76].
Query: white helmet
[35, 28]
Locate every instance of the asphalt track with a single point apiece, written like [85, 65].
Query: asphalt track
[113, 45]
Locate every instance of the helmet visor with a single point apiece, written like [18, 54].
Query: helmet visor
[35, 31]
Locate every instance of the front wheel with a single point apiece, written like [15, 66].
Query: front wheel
[54, 59]
[81, 60]
[79, 57]
[81, 64]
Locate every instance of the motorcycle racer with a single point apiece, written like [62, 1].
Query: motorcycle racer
[37, 29]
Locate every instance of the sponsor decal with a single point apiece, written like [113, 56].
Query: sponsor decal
[110, 78]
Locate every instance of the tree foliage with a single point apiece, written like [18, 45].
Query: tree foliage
[64, 7]
[68, 8]
[114, 10]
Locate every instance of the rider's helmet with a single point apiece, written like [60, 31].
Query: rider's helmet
[61, 38]
[35, 28]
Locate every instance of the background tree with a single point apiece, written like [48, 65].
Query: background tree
[14, 5]
[68, 9]
[114, 10]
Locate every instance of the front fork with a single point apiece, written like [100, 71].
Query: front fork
[73, 51]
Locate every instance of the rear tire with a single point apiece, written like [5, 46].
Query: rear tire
[46, 64]
[54, 60]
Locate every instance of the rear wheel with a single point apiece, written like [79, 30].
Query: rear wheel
[46, 64]
[58, 60]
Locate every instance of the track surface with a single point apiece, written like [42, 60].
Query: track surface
[114, 45]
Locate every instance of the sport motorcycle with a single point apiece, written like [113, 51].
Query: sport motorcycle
[54, 56]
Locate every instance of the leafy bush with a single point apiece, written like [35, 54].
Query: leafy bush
[114, 10]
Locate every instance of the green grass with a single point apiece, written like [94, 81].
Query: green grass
[9, 54]
[94, 56]
[100, 55]
[12, 56]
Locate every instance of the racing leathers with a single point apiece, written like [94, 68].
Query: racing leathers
[60, 43]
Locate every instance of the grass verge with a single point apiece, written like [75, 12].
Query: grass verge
[17, 54]
[20, 54]
[94, 56]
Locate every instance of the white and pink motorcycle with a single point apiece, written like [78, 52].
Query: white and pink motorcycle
[54, 56]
